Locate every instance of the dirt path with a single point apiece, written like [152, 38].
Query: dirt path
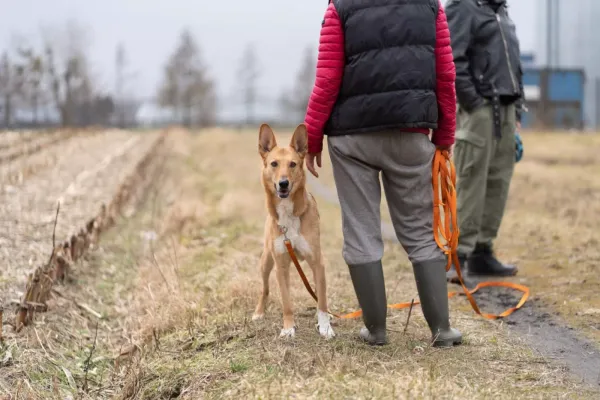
[545, 333]
[85, 175]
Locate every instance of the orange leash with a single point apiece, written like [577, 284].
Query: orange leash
[446, 237]
[446, 234]
[292, 254]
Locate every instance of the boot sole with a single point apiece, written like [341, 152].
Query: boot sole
[490, 274]
[373, 342]
[447, 343]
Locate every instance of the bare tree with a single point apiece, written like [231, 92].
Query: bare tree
[12, 77]
[126, 106]
[68, 71]
[186, 86]
[296, 101]
[206, 109]
[248, 75]
[34, 74]
[6, 89]
[24, 64]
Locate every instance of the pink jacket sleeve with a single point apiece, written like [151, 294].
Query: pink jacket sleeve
[445, 90]
[330, 69]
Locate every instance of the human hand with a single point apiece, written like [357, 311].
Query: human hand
[310, 163]
[449, 148]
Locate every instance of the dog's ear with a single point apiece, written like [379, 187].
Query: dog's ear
[266, 140]
[299, 140]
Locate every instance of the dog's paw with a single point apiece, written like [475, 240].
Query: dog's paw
[326, 331]
[288, 333]
[258, 317]
[324, 325]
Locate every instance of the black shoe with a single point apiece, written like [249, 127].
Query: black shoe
[369, 286]
[451, 275]
[483, 262]
[433, 294]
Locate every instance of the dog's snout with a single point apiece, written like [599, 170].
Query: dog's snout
[284, 184]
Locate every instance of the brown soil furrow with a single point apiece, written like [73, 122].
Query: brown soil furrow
[27, 212]
[16, 172]
[10, 138]
[67, 253]
[23, 138]
[23, 150]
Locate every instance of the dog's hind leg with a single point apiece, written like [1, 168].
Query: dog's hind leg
[283, 279]
[323, 320]
[266, 266]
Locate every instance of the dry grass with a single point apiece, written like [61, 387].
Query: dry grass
[178, 308]
[551, 225]
[215, 351]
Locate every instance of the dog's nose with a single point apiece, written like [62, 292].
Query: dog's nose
[284, 184]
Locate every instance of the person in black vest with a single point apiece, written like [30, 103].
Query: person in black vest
[489, 87]
[385, 81]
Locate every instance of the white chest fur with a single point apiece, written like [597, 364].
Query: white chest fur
[287, 219]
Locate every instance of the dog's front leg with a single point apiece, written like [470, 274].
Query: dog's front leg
[283, 279]
[266, 266]
[323, 319]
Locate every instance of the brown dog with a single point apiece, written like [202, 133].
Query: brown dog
[291, 209]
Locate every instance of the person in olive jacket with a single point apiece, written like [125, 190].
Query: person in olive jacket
[489, 93]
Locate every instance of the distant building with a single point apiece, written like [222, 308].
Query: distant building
[577, 31]
[554, 98]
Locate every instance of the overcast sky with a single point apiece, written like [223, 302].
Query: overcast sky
[281, 29]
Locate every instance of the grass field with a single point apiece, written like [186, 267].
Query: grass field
[173, 285]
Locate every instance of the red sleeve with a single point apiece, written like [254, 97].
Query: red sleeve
[445, 77]
[330, 69]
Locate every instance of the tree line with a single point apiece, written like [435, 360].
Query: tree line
[189, 91]
[54, 83]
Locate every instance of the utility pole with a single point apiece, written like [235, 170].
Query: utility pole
[549, 33]
[248, 74]
[557, 34]
[597, 100]
[120, 67]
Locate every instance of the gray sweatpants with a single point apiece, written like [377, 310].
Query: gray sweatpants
[404, 160]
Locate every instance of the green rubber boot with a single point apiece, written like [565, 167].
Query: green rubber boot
[433, 293]
[369, 286]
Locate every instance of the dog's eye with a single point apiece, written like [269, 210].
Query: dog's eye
[292, 164]
[274, 164]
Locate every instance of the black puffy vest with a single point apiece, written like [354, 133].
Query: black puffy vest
[389, 78]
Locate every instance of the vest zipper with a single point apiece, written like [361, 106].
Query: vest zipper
[510, 70]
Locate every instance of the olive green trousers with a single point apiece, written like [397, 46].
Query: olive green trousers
[484, 169]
